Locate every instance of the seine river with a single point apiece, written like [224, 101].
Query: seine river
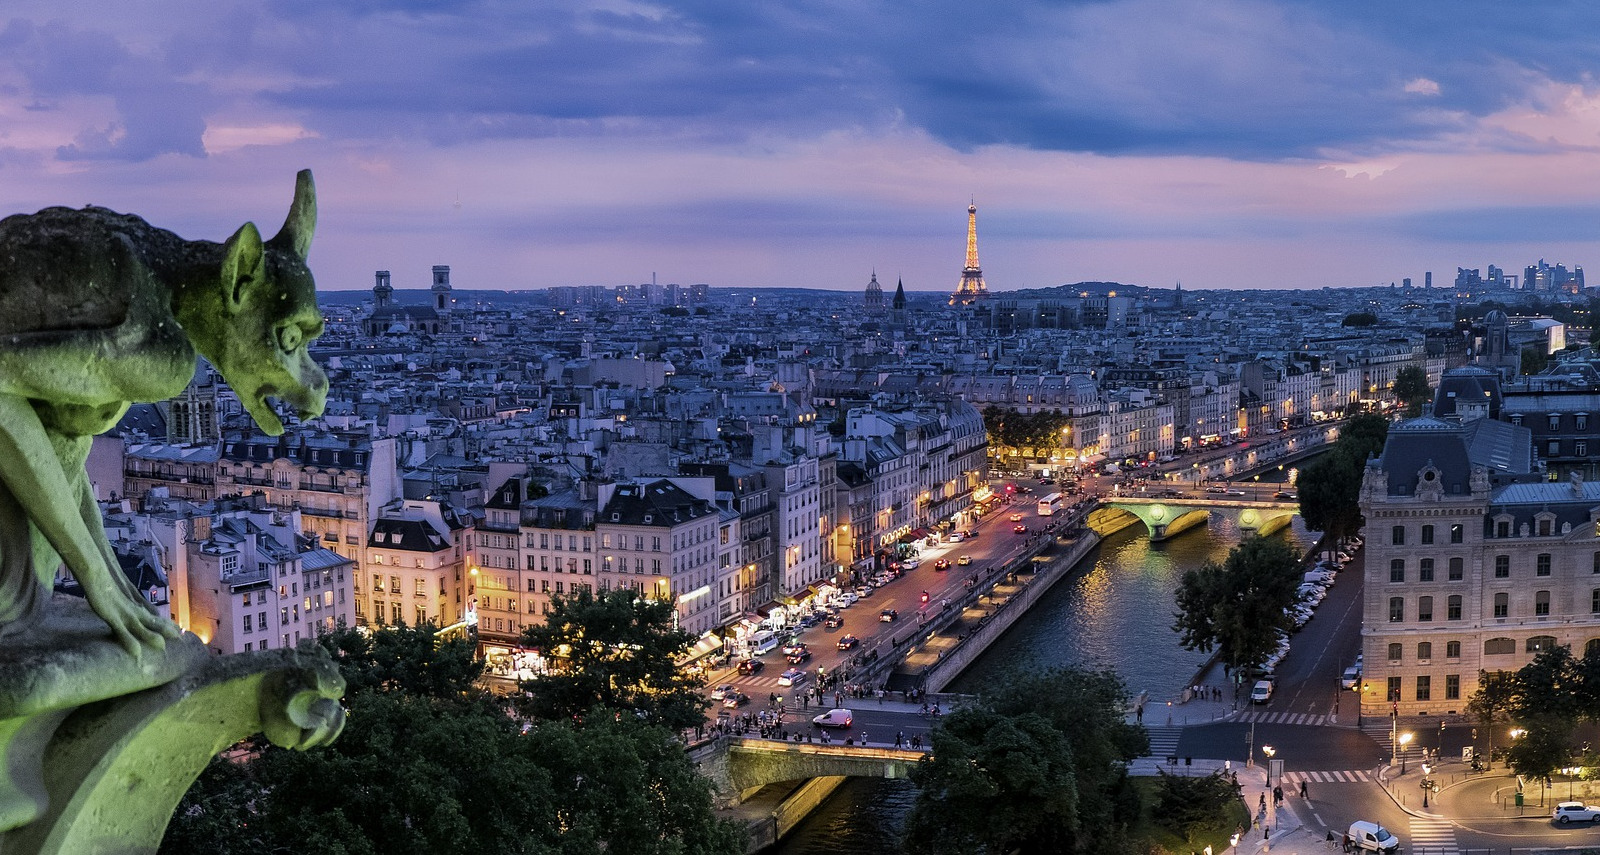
[1115, 613]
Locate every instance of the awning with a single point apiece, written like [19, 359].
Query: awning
[704, 647]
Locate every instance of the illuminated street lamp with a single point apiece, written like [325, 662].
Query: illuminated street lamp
[1405, 740]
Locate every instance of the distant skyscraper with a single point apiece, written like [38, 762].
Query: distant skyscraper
[972, 287]
[874, 298]
[1427, 279]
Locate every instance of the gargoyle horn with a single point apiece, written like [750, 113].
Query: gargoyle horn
[302, 221]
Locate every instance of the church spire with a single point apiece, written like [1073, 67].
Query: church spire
[972, 287]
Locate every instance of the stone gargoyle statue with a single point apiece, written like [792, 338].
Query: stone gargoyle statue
[99, 310]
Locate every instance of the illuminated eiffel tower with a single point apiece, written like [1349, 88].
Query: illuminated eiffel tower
[972, 287]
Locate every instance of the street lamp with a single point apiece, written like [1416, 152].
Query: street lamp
[1405, 740]
[1269, 751]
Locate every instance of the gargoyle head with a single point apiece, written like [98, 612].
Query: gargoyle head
[268, 315]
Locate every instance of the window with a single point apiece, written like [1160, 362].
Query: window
[1541, 642]
[394, 585]
[1592, 647]
[1553, 448]
[1452, 650]
[1517, 419]
[1581, 421]
[1396, 651]
[377, 582]
[1424, 650]
[1502, 529]
[1594, 601]
[422, 588]
[1456, 533]
[1427, 534]
[1424, 688]
[1502, 604]
[1555, 421]
[1502, 566]
[1425, 570]
[1397, 609]
[1499, 646]
[1541, 564]
[1424, 608]
[1541, 603]
[1455, 569]
[1580, 448]
[1397, 570]
[247, 623]
[1545, 527]
[1453, 607]
[1398, 536]
[1452, 687]
[1394, 688]
[377, 611]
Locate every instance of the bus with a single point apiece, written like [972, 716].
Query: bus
[1049, 504]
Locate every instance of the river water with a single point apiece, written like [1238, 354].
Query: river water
[1115, 612]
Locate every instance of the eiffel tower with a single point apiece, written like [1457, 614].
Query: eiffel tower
[972, 287]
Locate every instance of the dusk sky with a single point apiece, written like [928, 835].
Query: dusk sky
[1223, 143]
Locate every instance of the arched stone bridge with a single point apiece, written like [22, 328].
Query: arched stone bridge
[738, 766]
[1165, 517]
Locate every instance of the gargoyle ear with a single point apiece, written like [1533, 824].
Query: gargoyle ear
[302, 220]
[241, 265]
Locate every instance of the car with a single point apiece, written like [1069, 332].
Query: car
[864, 590]
[1371, 837]
[836, 717]
[1576, 812]
[751, 666]
[847, 642]
[955, 536]
[1016, 518]
[722, 692]
[941, 564]
[1019, 529]
[1350, 678]
[792, 677]
[964, 560]
[1216, 489]
[888, 615]
[1025, 489]
[972, 535]
[1262, 692]
[734, 700]
[798, 657]
[833, 622]
[1283, 494]
[795, 645]
[810, 620]
[848, 599]
[1236, 492]
[911, 564]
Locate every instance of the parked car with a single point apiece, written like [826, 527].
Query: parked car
[888, 615]
[734, 700]
[1262, 692]
[911, 564]
[837, 717]
[721, 692]
[1372, 837]
[848, 599]
[792, 677]
[964, 560]
[1576, 812]
[751, 666]
[847, 642]
[1350, 678]
[833, 622]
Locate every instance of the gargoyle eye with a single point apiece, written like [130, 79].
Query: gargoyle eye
[290, 337]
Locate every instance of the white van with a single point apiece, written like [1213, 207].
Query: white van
[1372, 837]
[762, 642]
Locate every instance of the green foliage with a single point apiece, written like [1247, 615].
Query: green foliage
[675, 312]
[618, 651]
[428, 764]
[1330, 486]
[1534, 359]
[1239, 607]
[1360, 319]
[1010, 428]
[1193, 807]
[1411, 389]
[1035, 765]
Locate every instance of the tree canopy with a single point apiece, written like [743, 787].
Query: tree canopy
[1411, 389]
[1010, 428]
[1239, 607]
[1544, 699]
[1360, 319]
[618, 650]
[430, 763]
[1034, 765]
[1330, 486]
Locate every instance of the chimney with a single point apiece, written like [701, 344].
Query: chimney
[1576, 481]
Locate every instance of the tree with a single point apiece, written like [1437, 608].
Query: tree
[1491, 701]
[1534, 360]
[1360, 319]
[1239, 607]
[412, 660]
[1330, 486]
[1194, 806]
[619, 651]
[1036, 765]
[429, 764]
[1411, 389]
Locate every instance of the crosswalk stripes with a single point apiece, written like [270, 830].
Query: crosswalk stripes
[1329, 776]
[1432, 837]
[1164, 741]
[1308, 719]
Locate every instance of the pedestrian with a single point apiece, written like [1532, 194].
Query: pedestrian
[899, 738]
[1303, 790]
[1277, 795]
[1138, 713]
[838, 700]
[1263, 799]
[863, 737]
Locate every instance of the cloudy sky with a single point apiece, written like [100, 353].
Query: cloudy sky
[1224, 143]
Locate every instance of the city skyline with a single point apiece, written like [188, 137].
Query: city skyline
[1231, 145]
